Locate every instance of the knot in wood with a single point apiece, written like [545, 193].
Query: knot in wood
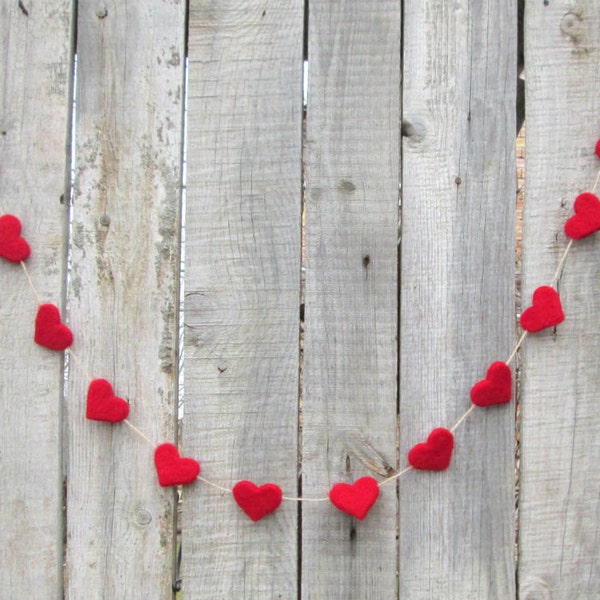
[413, 129]
[535, 589]
[572, 26]
[144, 517]
[347, 186]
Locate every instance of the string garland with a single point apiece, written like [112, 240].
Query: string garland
[357, 498]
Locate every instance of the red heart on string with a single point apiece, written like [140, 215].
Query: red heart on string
[586, 219]
[355, 499]
[496, 388]
[50, 332]
[435, 453]
[12, 246]
[172, 469]
[257, 501]
[103, 405]
[546, 310]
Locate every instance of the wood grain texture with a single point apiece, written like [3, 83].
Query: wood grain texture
[349, 406]
[123, 294]
[457, 294]
[35, 59]
[242, 291]
[560, 497]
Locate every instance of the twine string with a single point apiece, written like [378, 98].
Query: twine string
[395, 476]
[596, 182]
[140, 433]
[303, 499]
[213, 484]
[561, 264]
[31, 286]
[79, 364]
[463, 418]
[516, 348]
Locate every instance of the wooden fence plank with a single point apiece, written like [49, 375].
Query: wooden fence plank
[123, 294]
[349, 405]
[242, 291]
[457, 294]
[560, 492]
[35, 64]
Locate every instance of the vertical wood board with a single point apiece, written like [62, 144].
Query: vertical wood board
[242, 292]
[123, 294]
[349, 401]
[560, 490]
[457, 294]
[35, 60]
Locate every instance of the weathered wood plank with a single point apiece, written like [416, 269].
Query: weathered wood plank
[35, 59]
[123, 294]
[242, 291]
[457, 294]
[560, 491]
[349, 405]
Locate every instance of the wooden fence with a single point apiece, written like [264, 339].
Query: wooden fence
[349, 274]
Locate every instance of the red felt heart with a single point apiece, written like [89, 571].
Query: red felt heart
[355, 499]
[496, 388]
[12, 246]
[598, 148]
[103, 405]
[50, 332]
[435, 453]
[586, 219]
[257, 501]
[172, 469]
[546, 310]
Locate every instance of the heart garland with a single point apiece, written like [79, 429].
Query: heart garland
[355, 499]
[496, 388]
[13, 247]
[586, 219]
[172, 469]
[435, 453]
[257, 501]
[103, 405]
[546, 310]
[50, 331]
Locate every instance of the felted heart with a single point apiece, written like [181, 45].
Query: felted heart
[103, 405]
[355, 499]
[50, 332]
[598, 148]
[172, 469]
[435, 453]
[12, 246]
[496, 388]
[586, 219]
[257, 501]
[546, 310]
